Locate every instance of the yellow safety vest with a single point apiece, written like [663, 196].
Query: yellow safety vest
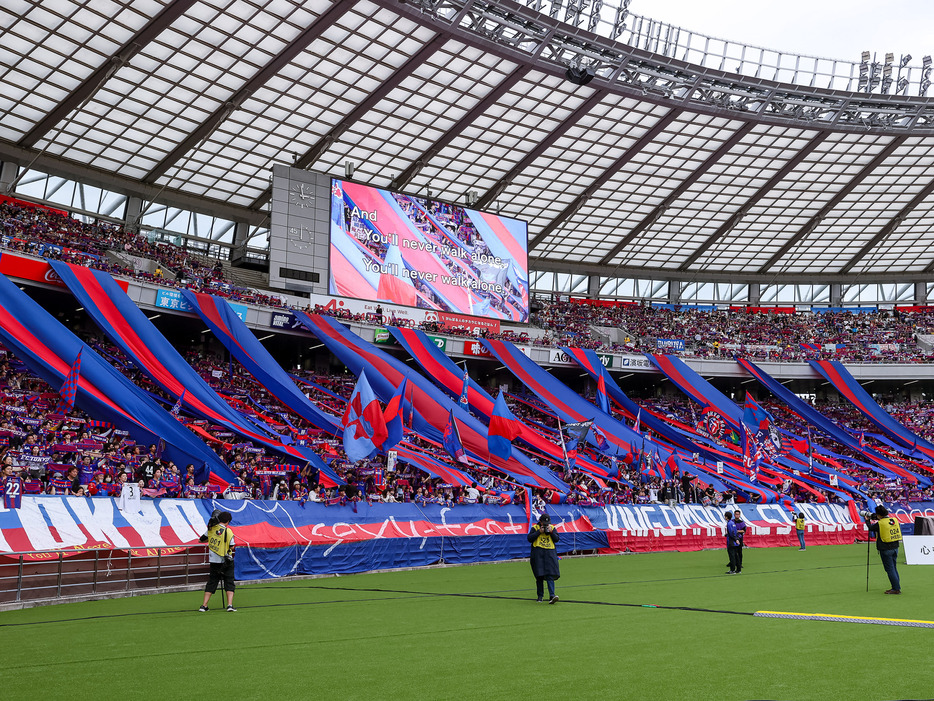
[799, 524]
[219, 539]
[543, 541]
[889, 530]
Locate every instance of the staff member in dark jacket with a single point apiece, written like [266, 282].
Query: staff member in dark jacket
[735, 530]
[544, 557]
[888, 536]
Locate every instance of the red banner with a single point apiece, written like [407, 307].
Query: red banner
[31, 205]
[452, 321]
[35, 270]
[12, 265]
[763, 310]
[602, 302]
[476, 348]
[692, 539]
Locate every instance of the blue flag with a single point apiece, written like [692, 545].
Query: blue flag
[395, 416]
[759, 422]
[463, 400]
[504, 427]
[364, 425]
[452, 440]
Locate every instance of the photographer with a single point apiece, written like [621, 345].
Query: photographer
[888, 536]
[799, 528]
[544, 557]
[220, 540]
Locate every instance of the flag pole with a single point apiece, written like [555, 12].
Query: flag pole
[564, 450]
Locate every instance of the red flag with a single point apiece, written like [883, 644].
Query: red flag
[394, 416]
[603, 401]
[69, 388]
[504, 427]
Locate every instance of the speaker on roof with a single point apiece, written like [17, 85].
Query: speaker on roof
[580, 75]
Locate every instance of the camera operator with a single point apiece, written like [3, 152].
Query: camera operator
[544, 557]
[888, 536]
[220, 540]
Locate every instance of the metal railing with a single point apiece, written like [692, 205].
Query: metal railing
[876, 73]
[48, 577]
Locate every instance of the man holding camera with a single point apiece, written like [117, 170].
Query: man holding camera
[220, 540]
[544, 557]
[888, 536]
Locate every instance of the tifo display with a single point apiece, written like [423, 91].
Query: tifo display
[321, 469]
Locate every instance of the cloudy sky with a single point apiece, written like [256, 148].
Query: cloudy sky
[825, 28]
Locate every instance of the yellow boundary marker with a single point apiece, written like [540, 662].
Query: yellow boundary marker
[907, 622]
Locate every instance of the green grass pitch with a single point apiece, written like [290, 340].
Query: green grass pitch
[476, 633]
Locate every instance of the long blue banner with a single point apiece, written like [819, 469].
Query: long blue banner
[847, 386]
[49, 350]
[229, 328]
[450, 378]
[128, 327]
[431, 406]
[696, 387]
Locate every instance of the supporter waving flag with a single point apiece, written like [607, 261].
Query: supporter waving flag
[759, 422]
[577, 432]
[178, 405]
[653, 466]
[70, 386]
[673, 463]
[452, 440]
[756, 461]
[504, 427]
[600, 437]
[603, 400]
[363, 422]
[463, 400]
[395, 416]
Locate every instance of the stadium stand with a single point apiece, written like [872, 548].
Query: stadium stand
[719, 195]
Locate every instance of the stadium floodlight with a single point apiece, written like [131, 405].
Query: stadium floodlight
[925, 76]
[875, 71]
[863, 71]
[619, 24]
[904, 62]
[887, 74]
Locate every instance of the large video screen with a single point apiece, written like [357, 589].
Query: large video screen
[418, 252]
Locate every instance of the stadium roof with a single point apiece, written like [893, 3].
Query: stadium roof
[658, 167]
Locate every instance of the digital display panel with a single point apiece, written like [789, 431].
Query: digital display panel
[418, 252]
